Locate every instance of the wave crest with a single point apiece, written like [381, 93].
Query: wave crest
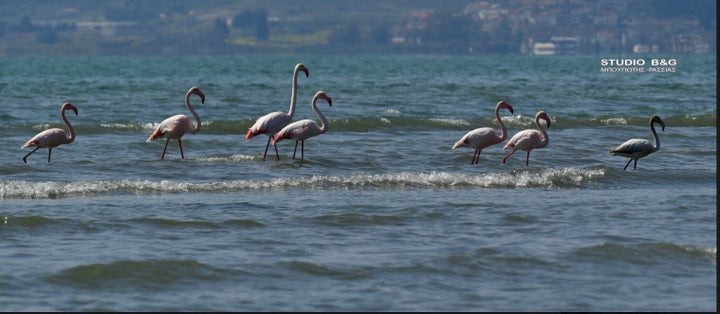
[541, 178]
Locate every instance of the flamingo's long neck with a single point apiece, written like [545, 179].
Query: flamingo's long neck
[293, 97]
[503, 131]
[71, 137]
[323, 121]
[656, 139]
[194, 129]
[545, 139]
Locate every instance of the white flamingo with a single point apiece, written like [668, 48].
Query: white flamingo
[273, 122]
[54, 137]
[484, 137]
[529, 139]
[637, 148]
[176, 126]
[304, 129]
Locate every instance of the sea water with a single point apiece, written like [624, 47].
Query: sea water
[381, 214]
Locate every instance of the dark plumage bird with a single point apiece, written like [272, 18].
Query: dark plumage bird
[637, 148]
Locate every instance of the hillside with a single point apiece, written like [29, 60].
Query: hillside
[66, 27]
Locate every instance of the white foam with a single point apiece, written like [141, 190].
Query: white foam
[232, 158]
[614, 121]
[451, 121]
[43, 126]
[131, 126]
[545, 178]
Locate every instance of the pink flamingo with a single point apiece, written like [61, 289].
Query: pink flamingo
[54, 137]
[304, 129]
[484, 137]
[176, 126]
[530, 139]
[637, 148]
[273, 122]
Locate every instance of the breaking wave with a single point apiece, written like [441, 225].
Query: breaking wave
[536, 178]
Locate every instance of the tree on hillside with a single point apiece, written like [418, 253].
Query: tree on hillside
[257, 18]
[445, 27]
[380, 35]
[262, 30]
[220, 32]
[25, 25]
[46, 35]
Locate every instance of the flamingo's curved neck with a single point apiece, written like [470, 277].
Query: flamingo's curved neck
[71, 137]
[656, 139]
[293, 97]
[503, 131]
[545, 139]
[194, 129]
[323, 121]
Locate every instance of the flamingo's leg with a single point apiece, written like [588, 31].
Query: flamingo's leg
[30, 153]
[302, 150]
[527, 159]
[266, 147]
[182, 156]
[164, 149]
[295, 150]
[277, 155]
[476, 157]
[49, 153]
[627, 164]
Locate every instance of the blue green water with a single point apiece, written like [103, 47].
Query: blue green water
[382, 214]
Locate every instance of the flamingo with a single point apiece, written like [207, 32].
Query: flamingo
[54, 137]
[176, 126]
[273, 122]
[530, 139]
[304, 129]
[484, 137]
[637, 148]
